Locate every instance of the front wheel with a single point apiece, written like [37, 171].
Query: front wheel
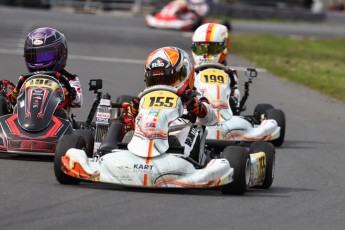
[260, 110]
[239, 160]
[66, 142]
[279, 116]
[268, 149]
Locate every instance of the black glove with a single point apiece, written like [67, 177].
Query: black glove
[233, 101]
[73, 93]
[196, 108]
[135, 106]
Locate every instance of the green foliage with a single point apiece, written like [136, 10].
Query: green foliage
[316, 63]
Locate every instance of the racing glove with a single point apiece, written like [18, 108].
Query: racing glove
[233, 101]
[73, 94]
[196, 107]
[135, 106]
[12, 97]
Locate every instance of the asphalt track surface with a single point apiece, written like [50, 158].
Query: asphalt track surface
[307, 192]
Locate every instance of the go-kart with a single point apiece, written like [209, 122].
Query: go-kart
[154, 159]
[266, 123]
[39, 118]
[177, 15]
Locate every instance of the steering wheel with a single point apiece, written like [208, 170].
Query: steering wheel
[61, 78]
[210, 65]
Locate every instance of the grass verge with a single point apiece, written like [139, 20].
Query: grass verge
[316, 63]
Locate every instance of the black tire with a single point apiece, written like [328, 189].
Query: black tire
[89, 138]
[239, 159]
[66, 142]
[261, 109]
[269, 150]
[3, 106]
[121, 99]
[279, 116]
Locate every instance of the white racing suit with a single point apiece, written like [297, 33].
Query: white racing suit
[78, 101]
[189, 135]
[75, 83]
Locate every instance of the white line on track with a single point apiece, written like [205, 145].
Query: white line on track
[113, 60]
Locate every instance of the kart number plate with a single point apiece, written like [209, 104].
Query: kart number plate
[160, 100]
[42, 82]
[261, 165]
[214, 76]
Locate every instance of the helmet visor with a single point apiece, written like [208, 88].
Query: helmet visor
[41, 55]
[208, 48]
[164, 77]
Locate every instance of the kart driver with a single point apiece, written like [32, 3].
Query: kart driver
[211, 44]
[176, 69]
[45, 49]
[186, 9]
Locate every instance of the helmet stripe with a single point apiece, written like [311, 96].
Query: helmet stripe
[210, 32]
[173, 55]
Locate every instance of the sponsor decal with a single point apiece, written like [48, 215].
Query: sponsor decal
[157, 73]
[191, 136]
[154, 112]
[150, 125]
[35, 104]
[38, 42]
[37, 92]
[102, 115]
[122, 178]
[158, 63]
[142, 168]
[103, 120]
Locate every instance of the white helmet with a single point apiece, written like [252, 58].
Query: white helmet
[211, 44]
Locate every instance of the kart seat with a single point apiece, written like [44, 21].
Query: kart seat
[173, 141]
[110, 141]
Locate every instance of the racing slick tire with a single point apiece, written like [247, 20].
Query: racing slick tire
[279, 116]
[260, 109]
[121, 99]
[269, 150]
[89, 138]
[239, 159]
[66, 142]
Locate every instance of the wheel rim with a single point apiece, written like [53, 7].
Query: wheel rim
[273, 167]
[247, 172]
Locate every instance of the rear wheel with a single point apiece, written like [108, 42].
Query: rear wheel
[268, 149]
[260, 110]
[239, 159]
[66, 142]
[279, 116]
[89, 138]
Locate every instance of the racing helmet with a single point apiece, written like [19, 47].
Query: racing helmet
[169, 66]
[45, 49]
[211, 44]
